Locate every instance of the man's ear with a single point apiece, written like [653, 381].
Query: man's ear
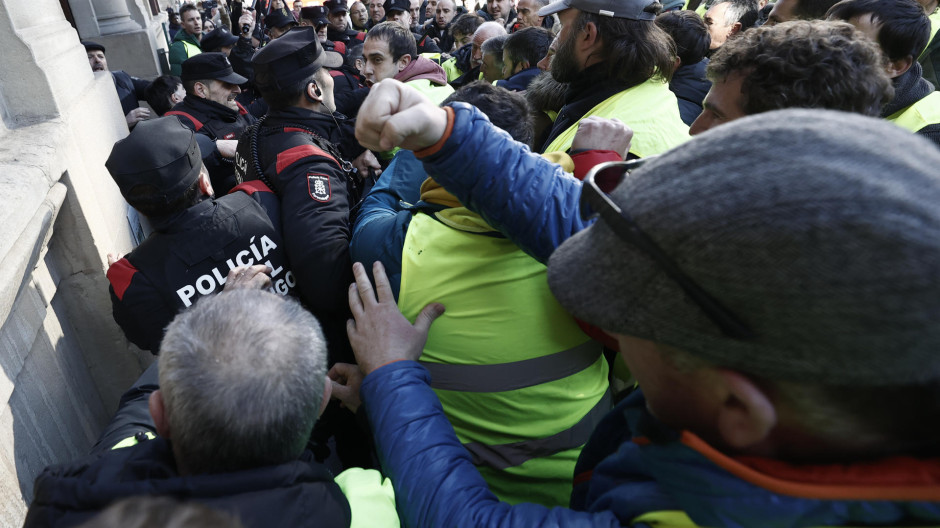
[747, 415]
[735, 28]
[205, 184]
[200, 89]
[591, 37]
[327, 394]
[158, 413]
[404, 61]
[897, 68]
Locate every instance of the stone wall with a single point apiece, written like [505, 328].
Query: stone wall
[63, 361]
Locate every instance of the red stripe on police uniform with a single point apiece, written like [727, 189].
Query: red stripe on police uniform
[294, 154]
[251, 187]
[120, 275]
[334, 73]
[197, 123]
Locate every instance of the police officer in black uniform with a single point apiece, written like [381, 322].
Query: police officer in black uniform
[296, 150]
[210, 109]
[346, 35]
[197, 239]
[400, 11]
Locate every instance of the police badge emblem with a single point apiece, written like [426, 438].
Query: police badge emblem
[318, 185]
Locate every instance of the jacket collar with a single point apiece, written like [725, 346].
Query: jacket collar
[720, 490]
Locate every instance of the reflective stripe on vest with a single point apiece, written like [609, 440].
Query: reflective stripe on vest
[191, 49]
[501, 316]
[649, 108]
[133, 440]
[501, 377]
[517, 453]
[918, 115]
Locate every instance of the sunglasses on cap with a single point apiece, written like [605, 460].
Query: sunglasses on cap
[595, 201]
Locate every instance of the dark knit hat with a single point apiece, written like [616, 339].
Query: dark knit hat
[291, 58]
[161, 153]
[826, 244]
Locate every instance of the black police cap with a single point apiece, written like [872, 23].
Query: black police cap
[161, 153]
[397, 5]
[279, 18]
[316, 14]
[210, 65]
[336, 6]
[292, 58]
[216, 39]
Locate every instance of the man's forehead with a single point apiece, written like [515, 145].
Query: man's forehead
[374, 46]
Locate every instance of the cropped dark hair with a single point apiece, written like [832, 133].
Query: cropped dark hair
[400, 40]
[466, 24]
[633, 50]
[905, 28]
[527, 45]
[286, 96]
[185, 8]
[812, 9]
[805, 64]
[505, 109]
[159, 92]
[689, 32]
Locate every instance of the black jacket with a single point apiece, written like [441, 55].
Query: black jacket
[444, 39]
[690, 86]
[908, 89]
[188, 256]
[216, 121]
[298, 493]
[130, 90]
[349, 37]
[301, 153]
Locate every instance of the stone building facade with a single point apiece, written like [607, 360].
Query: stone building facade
[63, 361]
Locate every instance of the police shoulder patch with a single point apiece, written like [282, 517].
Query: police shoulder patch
[318, 185]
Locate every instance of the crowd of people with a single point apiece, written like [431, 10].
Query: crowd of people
[579, 263]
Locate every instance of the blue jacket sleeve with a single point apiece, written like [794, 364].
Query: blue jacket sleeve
[526, 197]
[382, 222]
[435, 482]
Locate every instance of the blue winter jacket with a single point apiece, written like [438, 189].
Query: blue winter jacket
[383, 220]
[632, 465]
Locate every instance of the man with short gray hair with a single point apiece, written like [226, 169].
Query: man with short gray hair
[727, 18]
[242, 379]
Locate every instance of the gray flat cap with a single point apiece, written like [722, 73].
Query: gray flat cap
[820, 229]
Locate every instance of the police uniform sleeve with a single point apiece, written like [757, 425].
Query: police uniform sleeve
[315, 222]
[137, 306]
[265, 197]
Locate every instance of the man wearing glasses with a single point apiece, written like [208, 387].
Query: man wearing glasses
[780, 324]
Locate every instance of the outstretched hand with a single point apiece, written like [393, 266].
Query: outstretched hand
[379, 333]
[397, 115]
[346, 380]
